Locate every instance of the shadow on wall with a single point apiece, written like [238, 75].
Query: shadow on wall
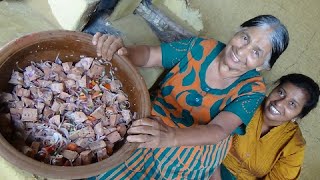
[98, 22]
[165, 29]
[106, 6]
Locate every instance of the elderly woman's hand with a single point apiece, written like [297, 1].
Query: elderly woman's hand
[108, 45]
[151, 133]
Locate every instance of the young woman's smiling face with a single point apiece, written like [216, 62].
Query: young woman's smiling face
[284, 103]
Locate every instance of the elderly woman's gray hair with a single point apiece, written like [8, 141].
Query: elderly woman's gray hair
[279, 36]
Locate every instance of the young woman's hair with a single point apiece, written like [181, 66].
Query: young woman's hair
[279, 37]
[310, 87]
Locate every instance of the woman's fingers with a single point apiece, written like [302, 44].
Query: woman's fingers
[139, 138]
[116, 44]
[147, 141]
[143, 130]
[122, 51]
[95, 38]
[100, 44]
[145, 122]
[108, 45]
[152, 133]
[105, 51]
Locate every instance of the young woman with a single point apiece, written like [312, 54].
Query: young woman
[273, 146]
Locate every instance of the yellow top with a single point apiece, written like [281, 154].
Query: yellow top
[277, 155]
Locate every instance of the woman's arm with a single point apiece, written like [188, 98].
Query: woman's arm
[153, 133]
[214, 132]
[145, 56]
[141, 56]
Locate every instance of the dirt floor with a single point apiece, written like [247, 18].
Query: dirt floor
[18, 18]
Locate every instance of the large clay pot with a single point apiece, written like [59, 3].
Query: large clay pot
[70, 46]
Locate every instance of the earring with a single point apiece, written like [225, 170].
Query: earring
[294, 119]
[259, 68]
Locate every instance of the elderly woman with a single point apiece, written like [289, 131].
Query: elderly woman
[210, 93]
[273, 146]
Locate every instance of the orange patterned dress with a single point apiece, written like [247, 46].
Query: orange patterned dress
[184, 100]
